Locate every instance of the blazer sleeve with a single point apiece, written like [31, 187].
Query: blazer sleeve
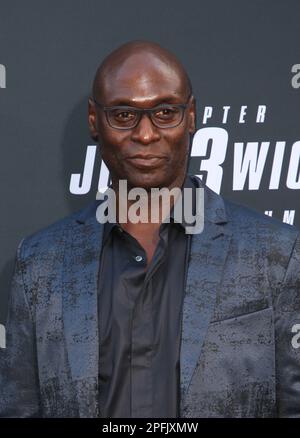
[19, 386]
[287, 335]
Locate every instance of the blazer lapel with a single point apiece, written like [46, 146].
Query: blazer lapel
[80, 313]
[207, 258]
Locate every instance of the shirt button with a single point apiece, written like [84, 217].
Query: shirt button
[138, 258]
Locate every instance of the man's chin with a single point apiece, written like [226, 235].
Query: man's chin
[146, 182]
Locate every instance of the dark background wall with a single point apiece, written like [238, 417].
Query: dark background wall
[237, 52]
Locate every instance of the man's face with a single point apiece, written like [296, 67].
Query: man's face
[144, 83]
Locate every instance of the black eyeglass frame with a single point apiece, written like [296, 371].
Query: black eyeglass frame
[141, 111]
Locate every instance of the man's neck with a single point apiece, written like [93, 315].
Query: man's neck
[147, 232]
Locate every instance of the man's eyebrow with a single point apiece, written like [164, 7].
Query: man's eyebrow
[153, 103]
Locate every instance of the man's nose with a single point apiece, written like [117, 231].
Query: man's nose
[145, 132]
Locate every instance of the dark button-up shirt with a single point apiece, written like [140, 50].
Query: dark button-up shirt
[140, 321]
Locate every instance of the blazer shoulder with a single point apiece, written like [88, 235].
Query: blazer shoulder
[256, 229]
[50, 238]
[239, 214]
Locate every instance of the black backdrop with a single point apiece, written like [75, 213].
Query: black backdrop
[242, 54]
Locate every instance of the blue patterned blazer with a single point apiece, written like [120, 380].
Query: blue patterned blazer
[239, 352]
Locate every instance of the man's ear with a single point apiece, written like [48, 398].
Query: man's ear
[192, 115]
[92, 120]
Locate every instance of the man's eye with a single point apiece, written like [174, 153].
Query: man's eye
[166, 113]
[124, 115]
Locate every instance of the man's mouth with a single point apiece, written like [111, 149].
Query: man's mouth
[146, 161]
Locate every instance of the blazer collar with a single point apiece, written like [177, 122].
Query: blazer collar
[208, 254]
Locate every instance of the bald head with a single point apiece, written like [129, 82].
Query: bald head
[135, 58]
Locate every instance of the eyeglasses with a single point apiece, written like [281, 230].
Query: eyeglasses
[128, 117]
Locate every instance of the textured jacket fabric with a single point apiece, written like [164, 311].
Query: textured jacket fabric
[240, 310]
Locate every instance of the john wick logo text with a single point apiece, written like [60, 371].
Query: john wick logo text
[211, 144]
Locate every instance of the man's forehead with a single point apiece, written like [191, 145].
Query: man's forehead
[142, 76]
[142, 90]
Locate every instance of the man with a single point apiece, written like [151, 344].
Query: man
[144, 319]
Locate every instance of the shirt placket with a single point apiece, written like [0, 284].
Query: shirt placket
[141, 354]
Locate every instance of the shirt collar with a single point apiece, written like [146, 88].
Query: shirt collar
[188, 183]
[108, 227]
